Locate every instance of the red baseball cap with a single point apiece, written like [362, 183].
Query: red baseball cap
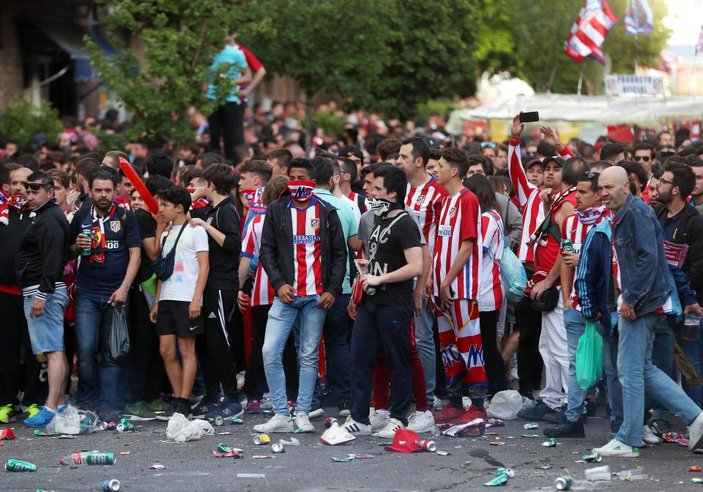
[405, 441]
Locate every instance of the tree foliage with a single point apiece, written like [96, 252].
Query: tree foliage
[21, 121]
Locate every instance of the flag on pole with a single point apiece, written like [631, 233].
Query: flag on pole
[589, 31]
[638, 18]
[699, 45]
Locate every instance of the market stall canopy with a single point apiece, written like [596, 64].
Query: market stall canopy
[603, 110]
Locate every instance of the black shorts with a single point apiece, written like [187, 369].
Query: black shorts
[173, 319]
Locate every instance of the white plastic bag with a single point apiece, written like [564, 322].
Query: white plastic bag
[73, 421]
[180, 429]
[505, 405]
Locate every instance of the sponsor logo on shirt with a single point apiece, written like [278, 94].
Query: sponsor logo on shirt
[305, 238]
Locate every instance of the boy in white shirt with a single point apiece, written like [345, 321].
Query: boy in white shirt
[179, 297]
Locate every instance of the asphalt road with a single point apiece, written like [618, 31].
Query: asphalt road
[191, 466]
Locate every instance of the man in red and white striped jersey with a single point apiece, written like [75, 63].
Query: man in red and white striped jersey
[457, 270]
[424, 197]
[360, 203]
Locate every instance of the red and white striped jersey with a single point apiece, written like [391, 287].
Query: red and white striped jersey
[426, 201]
[575, 231]
[307, 249]
[262, 294]
[358, 210]
[459, 220]
[528, 195]
[491, 292]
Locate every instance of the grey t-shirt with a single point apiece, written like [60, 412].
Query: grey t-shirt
[366, 226]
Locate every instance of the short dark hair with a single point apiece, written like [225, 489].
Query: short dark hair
[644, 146]
[60, 176]
[611, 149]
[114, 156]
[283, 156]
[190, 173]
[684, 178]
[695, 162]
[456, 158]
[394, 180]
[349, 166]
[371, 168]
[221, 177]
[303, 163]
[159, 163]
[4, 175]
[420, 148]
[210, 158]
[637, 169]
[485, 162]
[177, 195]
[46, 180]
[323, 170]
[545, 149]
[355, 151]
[258, 167]
[85, 167]
[592, 178]
[481, 187]
[388, 147]
[106, 173]
[157, 183]
[572, 168]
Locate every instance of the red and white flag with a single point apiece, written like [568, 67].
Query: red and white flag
[589, 31]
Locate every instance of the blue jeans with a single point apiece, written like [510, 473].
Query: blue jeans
[610, 368]
[663, 358]
[100, 379]
[575, 325]
[424, 341]
[638, 374]
[281, 319]
[337, 331]
[691, 348]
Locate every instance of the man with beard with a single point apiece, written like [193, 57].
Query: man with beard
[13, 180]
[107, 238]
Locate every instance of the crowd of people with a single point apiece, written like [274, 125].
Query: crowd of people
[384, 246]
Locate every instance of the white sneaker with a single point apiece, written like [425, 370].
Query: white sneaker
[695, 434]
[277, 423]
[302, 423]
[617, 448]
[320, 412]
[356, 428]
[650, 437]
[388, 432]
[378, 419]
[421, 422]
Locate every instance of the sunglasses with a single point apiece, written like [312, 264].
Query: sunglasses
[644, 158]
[37, 186]
[589, 175]
[488, 144]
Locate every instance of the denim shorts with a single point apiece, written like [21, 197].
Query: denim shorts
[46, 331]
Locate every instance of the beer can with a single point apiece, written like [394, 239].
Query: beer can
[98, 458]
[262, 439]
[506, 471]
[427, 445]
[497, 481]
[591, 458]
[14, 465]
[530, 426]
[550, 444]
[87, 231]
[563, 483]
[111, 485]
[278, 448]
[567, 246]
[219, 420]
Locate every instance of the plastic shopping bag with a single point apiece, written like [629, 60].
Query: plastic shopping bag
[118, 334]
[513, 275]
[589, 357]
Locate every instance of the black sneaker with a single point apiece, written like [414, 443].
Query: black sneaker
[179, 405]
[536, 412]
[225, 410]
[556, 417]
[107, 414]
[566, 429]
[201, 409]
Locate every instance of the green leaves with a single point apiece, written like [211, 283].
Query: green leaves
[21, 121]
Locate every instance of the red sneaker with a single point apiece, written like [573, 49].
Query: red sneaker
[449, 414]
[471, 414]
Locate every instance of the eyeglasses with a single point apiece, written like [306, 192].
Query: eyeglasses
[644, 158]
[666, 181]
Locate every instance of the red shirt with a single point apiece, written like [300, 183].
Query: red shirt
[426, 201]
[546, 253]
[262, 294]
[307, 249]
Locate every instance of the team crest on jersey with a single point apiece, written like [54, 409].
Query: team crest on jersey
[115, 226]
[452, 212]
[315, 223]
[420, 199]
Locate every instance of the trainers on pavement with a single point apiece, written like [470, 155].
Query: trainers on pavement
[158, 405]
[225, 410]
[302, 423]
[648, 436]
[357, 428]
[318, 412]
[253, 406]
[32, 410]
[566, 429]
[7, 413]
[421, 422]
[107, 414]
[448, 414]
[138, 412]
[344, 410]
[205, 406]
[389, 430]
[536, 412]
[556, 417]
[695, 434]
[277, 423]
[378, 419]
[40, 419]
[617, 448]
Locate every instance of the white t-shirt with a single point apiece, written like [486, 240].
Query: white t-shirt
[181, 285]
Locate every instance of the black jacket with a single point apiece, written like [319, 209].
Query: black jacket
[276, 253]
[44, 249]
[10, 240]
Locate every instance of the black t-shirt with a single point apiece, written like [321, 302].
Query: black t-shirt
[147, 229]
[390, 237]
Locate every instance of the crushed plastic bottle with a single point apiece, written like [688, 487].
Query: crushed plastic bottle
[635, 474]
